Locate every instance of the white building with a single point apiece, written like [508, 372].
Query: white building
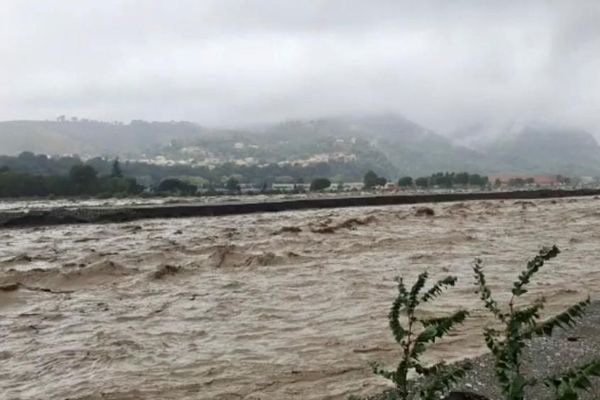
[349, 186]
[290, 187]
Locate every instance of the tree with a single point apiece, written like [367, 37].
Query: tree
[85, 177]
[113, 185]
[174, 185]
[442, 179]
[116, 169]
[4, 168]
[405, 181]
[449, 179]
[518, 182]
[232, 185]
[370, 180]
[478, 180]
[422, 182]
[18, 184]
[462, 178]
[413, 342]
[524, 322]
[27, 157]
[319, 184]
[380, 181]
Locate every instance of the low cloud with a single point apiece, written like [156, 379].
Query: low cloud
[445, 65]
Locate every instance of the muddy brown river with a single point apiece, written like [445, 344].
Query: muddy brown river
[291, 305]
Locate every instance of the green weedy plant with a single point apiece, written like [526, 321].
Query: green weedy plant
[523, 323]
[413, 342]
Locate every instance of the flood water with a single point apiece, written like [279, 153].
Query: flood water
[291, 305]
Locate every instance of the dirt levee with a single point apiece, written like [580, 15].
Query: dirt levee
[11, 217]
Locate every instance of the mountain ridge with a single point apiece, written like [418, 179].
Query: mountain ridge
[390, 143]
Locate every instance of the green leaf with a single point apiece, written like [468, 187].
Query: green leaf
[445, 377]
[529, 315]
[413, 345]
[436, 328]
[413, 299]
[438, 287]
[378, 370]
[394, 315]
[567, 318]
[484, 291]
[494, 345]
[566, 385]
[533, 266]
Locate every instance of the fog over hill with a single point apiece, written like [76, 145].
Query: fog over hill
[390, 143]
[89, 137]
[247, 66]
[231, 63]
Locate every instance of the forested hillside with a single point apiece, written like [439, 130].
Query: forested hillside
[343, 147]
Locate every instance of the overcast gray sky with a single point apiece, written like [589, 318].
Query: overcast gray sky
[442, 64]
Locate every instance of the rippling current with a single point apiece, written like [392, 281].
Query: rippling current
[290, 305]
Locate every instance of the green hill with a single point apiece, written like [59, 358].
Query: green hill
[389, 144]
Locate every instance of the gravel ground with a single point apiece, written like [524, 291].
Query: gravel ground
[546, 356]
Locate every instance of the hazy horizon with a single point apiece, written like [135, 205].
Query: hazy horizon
[230, 63]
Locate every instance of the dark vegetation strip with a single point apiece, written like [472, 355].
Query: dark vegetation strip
[83, 215]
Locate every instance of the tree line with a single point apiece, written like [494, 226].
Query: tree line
[439, 179]
[82, 180]
[29, 175]
[215, 176]
[445, 180]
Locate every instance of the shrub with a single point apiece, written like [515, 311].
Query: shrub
[319, 184]
[371, 180]
[174, 185]
[104, 195]
[413, 342]
[522, 323]
[405, 181]
[84, 177]
[233, 185]
[422, 182]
